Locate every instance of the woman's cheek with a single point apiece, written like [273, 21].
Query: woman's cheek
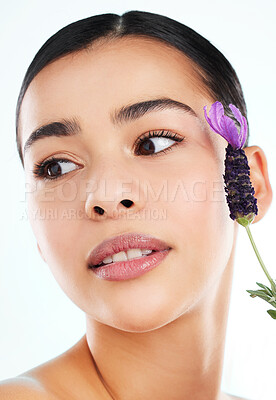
[200, 211]
[52, 211]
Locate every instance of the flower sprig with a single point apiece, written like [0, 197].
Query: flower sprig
[238, 187]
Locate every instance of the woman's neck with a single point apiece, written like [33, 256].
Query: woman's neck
[180, 360]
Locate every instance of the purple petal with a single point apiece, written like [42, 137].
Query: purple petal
[243, 123]
[244, 132]
[215, 113]
[237, 113]
[216, 128]
[209, 121]
[229, 128]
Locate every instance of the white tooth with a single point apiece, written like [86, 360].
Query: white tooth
[107, 260]
[146, 251]
[124, 256]
[119, 256]
[133, 253]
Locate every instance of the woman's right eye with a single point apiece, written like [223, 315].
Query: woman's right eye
[54, 168]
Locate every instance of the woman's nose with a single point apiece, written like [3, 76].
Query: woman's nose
[116, 202]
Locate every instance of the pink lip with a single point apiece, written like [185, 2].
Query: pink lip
[122, 270]
[123, 243]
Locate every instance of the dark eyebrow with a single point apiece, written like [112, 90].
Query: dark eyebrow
[70, 127]
[137, 110]
[66, 127]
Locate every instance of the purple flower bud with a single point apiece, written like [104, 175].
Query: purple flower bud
[240, 193]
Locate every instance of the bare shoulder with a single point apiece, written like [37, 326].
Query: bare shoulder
[71, 375]
[20, 388]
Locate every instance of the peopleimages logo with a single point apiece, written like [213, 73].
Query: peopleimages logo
[111, 190]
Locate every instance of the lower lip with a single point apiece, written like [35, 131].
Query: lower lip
[122, 270]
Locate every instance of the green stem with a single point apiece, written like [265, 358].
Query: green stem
[273, 285]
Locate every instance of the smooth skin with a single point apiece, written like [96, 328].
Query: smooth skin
[162, 335]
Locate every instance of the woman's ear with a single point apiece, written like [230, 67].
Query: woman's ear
[40, 252]
[259, 178]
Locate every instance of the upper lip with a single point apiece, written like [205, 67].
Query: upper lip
[125, 242]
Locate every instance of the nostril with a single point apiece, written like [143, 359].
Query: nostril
[127, 203]
[99, 210]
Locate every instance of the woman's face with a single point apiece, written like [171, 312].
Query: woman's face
[178, 195]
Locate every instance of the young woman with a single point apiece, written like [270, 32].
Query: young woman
[114, 143]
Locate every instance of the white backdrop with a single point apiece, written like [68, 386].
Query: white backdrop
[38, 321]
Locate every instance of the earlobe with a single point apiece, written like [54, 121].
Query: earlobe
[40, 252]
[259, 179]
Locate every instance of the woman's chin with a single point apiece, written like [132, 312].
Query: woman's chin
[140, 317]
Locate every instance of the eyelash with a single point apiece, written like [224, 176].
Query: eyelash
[39, 168]
[153, 134]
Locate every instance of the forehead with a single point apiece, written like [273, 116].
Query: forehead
[111, 73]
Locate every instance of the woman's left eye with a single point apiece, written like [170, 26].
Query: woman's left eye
[54, 168]
[156, 141]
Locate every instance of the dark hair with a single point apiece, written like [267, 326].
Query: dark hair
[217, 74]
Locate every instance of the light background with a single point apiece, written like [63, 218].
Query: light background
[38, 321]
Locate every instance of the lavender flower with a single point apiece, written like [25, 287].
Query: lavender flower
[239, 191]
